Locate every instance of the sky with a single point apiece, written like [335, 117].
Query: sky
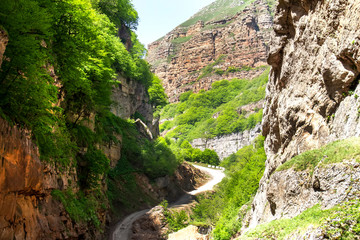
[158, 17]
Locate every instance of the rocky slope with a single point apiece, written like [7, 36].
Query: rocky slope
[225, 145]
[312, 99]
[233, 44]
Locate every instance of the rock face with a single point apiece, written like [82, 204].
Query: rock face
[241, 40]
[27, 209]
[312, 94]
[3, 42]
[225, 145]
[190, 232]
[152, 226]
[130, 98]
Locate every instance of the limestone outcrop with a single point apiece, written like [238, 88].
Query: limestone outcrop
[130, 99]
[312, 98]
[225, 145]
[239, 41]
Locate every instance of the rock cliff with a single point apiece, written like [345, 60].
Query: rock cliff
[3, 42]
[192, 57]
[225, 145]
[312, 99]
[27, 209]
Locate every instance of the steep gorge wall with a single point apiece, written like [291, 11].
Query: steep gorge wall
[312, 99]
[179, 56]
[27, 209]
[225, 145]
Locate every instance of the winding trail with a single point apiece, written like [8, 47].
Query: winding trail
[123, 229]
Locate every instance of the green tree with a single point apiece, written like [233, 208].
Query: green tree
[157, 93]
[120, 12]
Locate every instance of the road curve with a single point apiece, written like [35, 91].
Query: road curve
[123, 229]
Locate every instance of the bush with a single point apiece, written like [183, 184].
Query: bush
[176, 220]
[194, 117]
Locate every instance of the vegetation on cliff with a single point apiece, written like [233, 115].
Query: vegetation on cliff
[218, 10]
[215, 112]
[60, 65]
[339, 222]
[338, 151]
[224, 209]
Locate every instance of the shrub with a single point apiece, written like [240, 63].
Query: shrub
[194, 116]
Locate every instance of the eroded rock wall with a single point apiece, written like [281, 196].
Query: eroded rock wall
[225, 145]
[130, 97]
[312, 94]
[3, 42]
[27, 209]
[242, 39]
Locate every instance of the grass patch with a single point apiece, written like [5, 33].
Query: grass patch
[339, 222]
[279, 229]
[81, 208]
[338, 151]
[181, 40]
[206, 71]
[217, 10]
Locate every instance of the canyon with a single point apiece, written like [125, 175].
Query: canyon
[312, 99]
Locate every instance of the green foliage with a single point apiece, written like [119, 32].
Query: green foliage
[81, 208]
[188, 153]
[194, 116]
[343, 221]
[216, 11]
[176, 220]
[120, 12]
[206, 71]
[219, 71]
[339, 222]
[156, 93]
[338, 151]
[159, 160]
[185, 96]
[62, 60]
[181, 40]
[82, 46]
[221, 209]
[232, 69]
[95, 166]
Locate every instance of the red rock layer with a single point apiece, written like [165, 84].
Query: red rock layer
[241, 39]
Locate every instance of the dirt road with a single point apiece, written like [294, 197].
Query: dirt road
[123, 229]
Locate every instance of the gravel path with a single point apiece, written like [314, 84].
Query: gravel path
[123, 229]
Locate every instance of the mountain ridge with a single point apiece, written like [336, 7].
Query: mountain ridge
[192, 58]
